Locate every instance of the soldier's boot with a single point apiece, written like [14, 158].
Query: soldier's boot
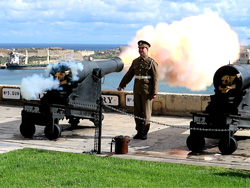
[138, 135]
[144, 136]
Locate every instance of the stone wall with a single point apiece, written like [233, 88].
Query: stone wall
[164, 104]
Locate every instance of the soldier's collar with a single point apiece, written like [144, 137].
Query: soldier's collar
[145, 58]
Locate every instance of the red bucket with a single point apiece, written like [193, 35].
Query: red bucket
[121, 144]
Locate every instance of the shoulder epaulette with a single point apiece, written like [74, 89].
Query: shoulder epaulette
[153, 60]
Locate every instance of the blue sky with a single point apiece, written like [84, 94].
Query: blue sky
[107, 21]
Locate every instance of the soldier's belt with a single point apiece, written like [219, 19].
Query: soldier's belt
[143, 77]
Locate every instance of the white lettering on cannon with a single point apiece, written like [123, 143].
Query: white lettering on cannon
[11, 93]
[111, 100]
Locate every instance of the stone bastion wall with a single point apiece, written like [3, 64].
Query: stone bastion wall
[164, 104]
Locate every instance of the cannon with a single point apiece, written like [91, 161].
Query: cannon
[73, 100]
[226, 113]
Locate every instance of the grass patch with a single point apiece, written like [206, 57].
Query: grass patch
[41, 168]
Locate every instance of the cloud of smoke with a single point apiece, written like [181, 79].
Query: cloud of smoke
[189, 51]
[74, 67]
[33, 85]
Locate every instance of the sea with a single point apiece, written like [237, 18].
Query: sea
[110, 81]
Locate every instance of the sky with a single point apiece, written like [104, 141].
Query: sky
[108, 21]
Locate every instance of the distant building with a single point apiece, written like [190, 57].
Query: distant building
[244, 56]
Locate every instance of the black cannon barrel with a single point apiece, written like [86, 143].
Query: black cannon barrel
[232, 78]
[64, 72]
[106, 66]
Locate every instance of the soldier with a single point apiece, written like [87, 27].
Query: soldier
[145, 70]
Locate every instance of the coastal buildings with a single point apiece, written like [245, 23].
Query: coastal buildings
[244, 55]
[43, 55]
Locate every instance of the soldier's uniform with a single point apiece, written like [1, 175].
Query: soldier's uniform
[146, 82]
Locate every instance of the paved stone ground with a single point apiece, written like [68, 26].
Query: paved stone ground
[164, 144]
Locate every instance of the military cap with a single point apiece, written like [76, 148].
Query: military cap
[143, 43]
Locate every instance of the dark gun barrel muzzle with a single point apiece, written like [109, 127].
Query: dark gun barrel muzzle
[232, 78]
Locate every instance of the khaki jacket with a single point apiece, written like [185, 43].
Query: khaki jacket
[142, 67]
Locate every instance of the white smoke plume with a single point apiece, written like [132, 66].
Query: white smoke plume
[74, 67]
[189, 51]
[33, 85]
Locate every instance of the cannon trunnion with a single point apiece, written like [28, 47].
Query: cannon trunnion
[74, 100]
[227, 111]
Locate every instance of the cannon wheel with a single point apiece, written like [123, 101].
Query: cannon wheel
[27, 130]
[74, 122]
[227, 147]
[195, 143]
[55, 134]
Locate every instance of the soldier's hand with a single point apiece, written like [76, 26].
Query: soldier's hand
[153, 96]
[119, 89]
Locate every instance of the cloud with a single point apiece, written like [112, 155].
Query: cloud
[39, 21]
[244, 34]
[186, 7]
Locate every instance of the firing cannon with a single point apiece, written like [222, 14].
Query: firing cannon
[74, 99]
[228, 110]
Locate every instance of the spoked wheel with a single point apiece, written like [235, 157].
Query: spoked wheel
[195, 143]
[74, 122]
[228, 146]
[55, 134]
[27, 130]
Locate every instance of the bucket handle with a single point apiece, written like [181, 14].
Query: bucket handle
[111, 144]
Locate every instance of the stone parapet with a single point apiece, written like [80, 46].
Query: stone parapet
[167, 103]
[164, 104]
